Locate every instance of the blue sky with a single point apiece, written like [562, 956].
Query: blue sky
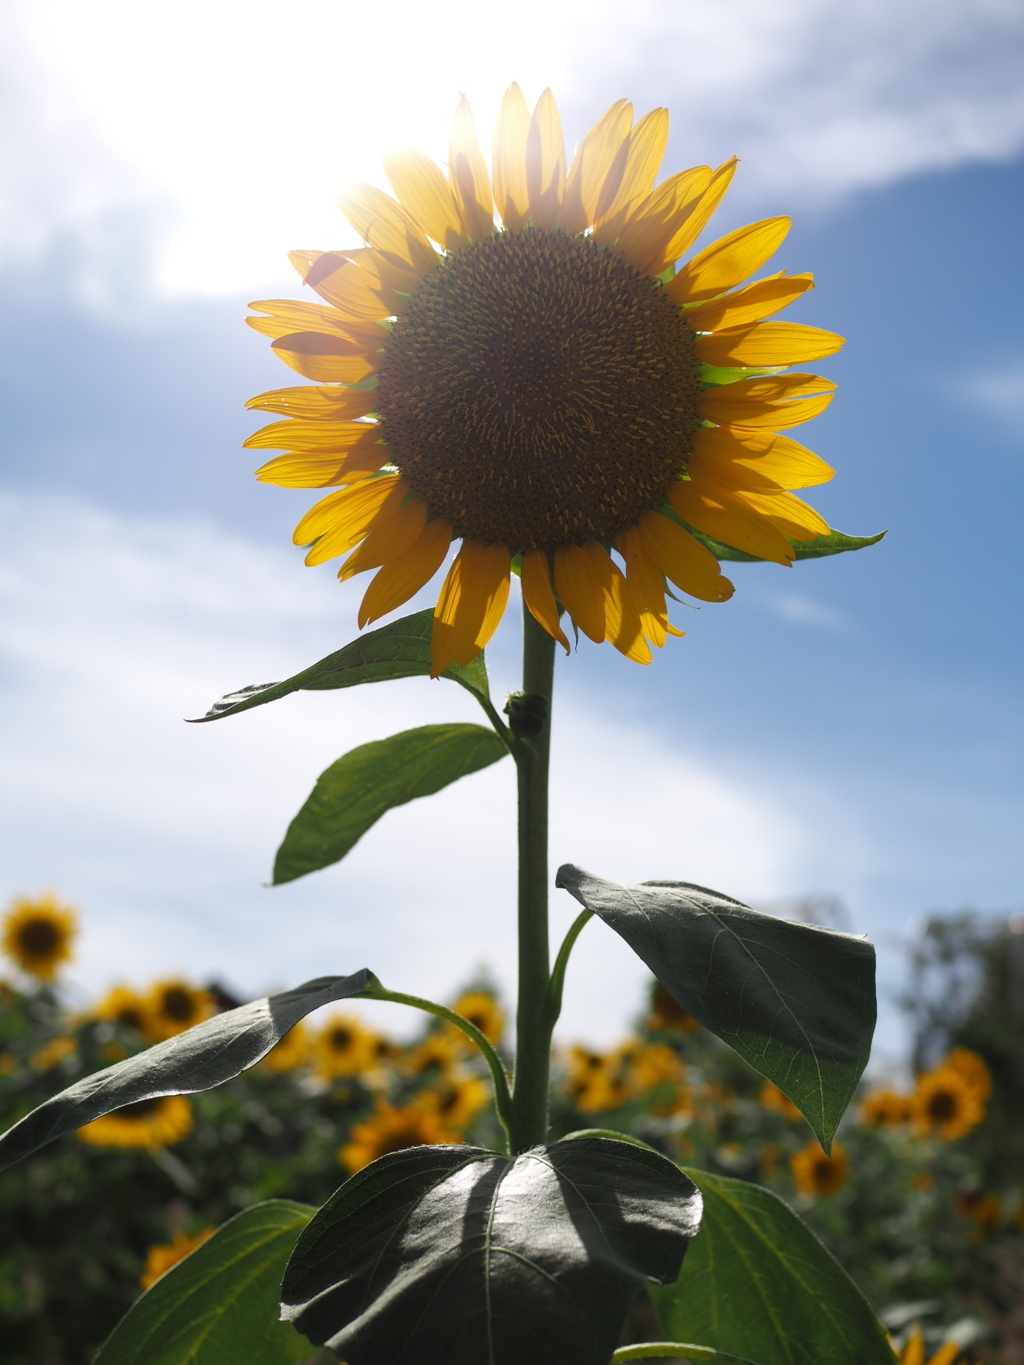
[851, 726]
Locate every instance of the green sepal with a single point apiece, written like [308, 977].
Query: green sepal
[398, 650]
[353, 793]
[758, 1283]
[219, 1306]
[720, 374]
[835, 543]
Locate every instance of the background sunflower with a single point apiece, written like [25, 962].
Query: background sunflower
[38, 933]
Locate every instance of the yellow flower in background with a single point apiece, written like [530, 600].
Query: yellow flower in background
[815, 1173]
[546, 389]
[481, 1009]
[160, 1259]
[121, 1005]
[441, 1050]
[291, 1052]
[771, 1097]
[54, 1052]
[393, 1130]
[456, 1100]
[173, 1006]
[885, 1109]
[343, 1047]
[149, 1123]
[652, 1065]
[913, 1352]
[666, 1014]
[594, 1080]
[971, 1068]
[38, 933]
[945, 1105]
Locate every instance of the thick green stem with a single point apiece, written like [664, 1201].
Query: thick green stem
[533, 1019]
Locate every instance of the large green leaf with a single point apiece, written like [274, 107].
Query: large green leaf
[796, 1001]
[757, 1282]
[219, 1306]
[198, 1059]
[357, 790]
[398, 650]
[835, 543]
[456, 1256]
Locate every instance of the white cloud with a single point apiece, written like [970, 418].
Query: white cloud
[163, 832]
[799, 610]
[238, 124]
[1001, 391]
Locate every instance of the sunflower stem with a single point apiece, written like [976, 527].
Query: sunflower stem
[533, 1017]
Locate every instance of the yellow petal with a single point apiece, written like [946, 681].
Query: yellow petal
[749, 305]
[323, 358]
[467, 175]
[768, 344]
[599, 161]
[913, 1352]
[643, 160]
[729, 261]
[353, 290]
[653, 225]
[292, 315]
[724, 518]
[316, 402]
[545, 163]
[535, 575]
[768, 388]
[339, 521]
[623, 626]
[403, 576]
[744, 458]
[323, 471]
[299, 434]
[470, 605]
[676, 554]
[387, 227]
[424, 193]
[508, 159]
[582, 577]
[642, 572]
[946, 1355]
[787, 513]
[715, 405]
[389, 540]
[698, 219]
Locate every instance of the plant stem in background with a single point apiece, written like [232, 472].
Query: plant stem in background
[533, 1020]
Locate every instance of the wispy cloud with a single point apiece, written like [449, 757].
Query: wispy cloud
[1001, 391]
[799, 610]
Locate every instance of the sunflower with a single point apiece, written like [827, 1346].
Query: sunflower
[393, 1130]
[121, 1005]
[971, 1068]
[771, 1097]
[667, 1015]
[344, 1047]
[148, 1123]
[38, 933]
[945, 1105]
[481, 1009]
[885, 1109]
[291, 1052]
[54, 1052]
[173, 1006]
[815, 1173]
[456, 1100]
[160, 1259]
[547, 390]
[441, 1050]
[913, 1351]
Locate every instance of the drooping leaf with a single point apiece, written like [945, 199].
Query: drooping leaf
[797, 1002]
[674, 1350]
[219, 1306]
[353, 793]
[758, 1282]
[398, 650]
[835, 543]
[198, 1059]
[456, 1256]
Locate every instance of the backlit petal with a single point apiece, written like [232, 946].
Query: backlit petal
[299, 434]
[292, 315]
[353, 290]
[623, 626]
[582, 575]
[768, 388]
[339, 521]
[599, 161]
[682, 559]
[745, 458]
[720, 515]
[643, 160]
[422, 190]
[729, 261]
[304, 470]
[653, 225]
[545, 163]
[749, 305]
[720, 406]
[768, 344]
[535, 575]
[470, 604]
[508, 159]
[385, 225]
[317, 402]
[467, 175]
[389, 540]
[325, 359]
[403, 576]
[698, 219]
[787, 513]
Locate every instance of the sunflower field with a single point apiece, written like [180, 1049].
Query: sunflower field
[922, 1199]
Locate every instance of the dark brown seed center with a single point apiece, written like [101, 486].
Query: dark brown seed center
[539, 391]
[39, 937]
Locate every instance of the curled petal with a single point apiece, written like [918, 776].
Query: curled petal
[535, 575]
[470, 605]
[402, 577]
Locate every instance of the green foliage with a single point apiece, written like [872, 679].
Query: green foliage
[398, 650]
[835, 543]
[199, 1059]
[220, 1304]
[353, 793]
[760, 1284]
[453, 1255]
[795, 1001]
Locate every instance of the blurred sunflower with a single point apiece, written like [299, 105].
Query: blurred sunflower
[815, 1173]
[441, 1050]
[291, 1052]
[173, 1006]
[945, 1105]
[456, 1100]
[667, 1014]
[148, 1123]
[54, 1052]
[38, 933]
[343, 1047]
[121, 1005]
[771, 1097]
[547, 390]
[393, 1130]
[885, 1109]
[972, 1070]
[160, 1259]
[481, 1009]
[913, 1352]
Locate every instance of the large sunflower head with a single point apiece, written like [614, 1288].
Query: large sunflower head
[391, 1129]
[38, 933]
[946, 1104]
[513, 360]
